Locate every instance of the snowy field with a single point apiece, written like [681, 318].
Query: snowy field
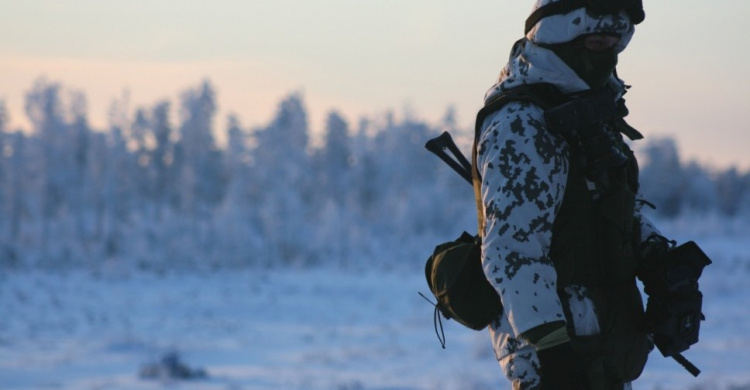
[311, 329]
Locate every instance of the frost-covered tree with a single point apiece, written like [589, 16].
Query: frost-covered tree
[731, 188]
[79, 188]
[97, 196]
[237, 151]
[17, 177]
[662, 179]
[334, 159]
[202, 178]
[366, 173]
[332, 201]
[44, 108]
[409, 166]
[162, 159]
[118, 173]
[743, 209]
[699, 193]
[236, 164]
[140, 146]
[58, 159]
[282, 175]
[280, 153]
[5, 150]
[16, 199]
[238, 238]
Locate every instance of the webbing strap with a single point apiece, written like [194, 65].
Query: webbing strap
[476, 181]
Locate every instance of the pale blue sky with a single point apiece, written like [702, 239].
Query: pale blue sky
[687, 62]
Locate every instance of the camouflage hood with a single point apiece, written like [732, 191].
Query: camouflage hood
[530, 63]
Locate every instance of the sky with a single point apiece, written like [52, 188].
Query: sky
[687, 62]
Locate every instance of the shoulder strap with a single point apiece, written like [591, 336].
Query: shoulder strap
[544, 95]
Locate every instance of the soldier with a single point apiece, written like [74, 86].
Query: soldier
[562, 229]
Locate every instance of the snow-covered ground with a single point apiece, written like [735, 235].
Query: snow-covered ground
[311, 329]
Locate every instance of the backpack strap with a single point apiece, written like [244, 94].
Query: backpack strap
[544, 95]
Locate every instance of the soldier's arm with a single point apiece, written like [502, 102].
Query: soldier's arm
[647, 227]
[524, 171]
[652, 243]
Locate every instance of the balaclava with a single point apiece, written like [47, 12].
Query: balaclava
[594, 67]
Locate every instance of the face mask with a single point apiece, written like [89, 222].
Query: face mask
[592, 66]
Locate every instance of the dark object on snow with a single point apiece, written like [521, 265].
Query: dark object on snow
[171, 367]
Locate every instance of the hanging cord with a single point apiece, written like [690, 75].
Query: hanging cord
[647, 203]
[436, 320]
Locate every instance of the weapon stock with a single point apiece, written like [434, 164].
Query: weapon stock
[441, 146]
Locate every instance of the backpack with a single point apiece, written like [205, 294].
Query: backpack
[456, 279]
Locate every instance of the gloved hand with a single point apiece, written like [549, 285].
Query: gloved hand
[673, 313]
[560, 369]
[652, 267]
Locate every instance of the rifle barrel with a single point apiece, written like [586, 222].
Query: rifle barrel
[690, 367]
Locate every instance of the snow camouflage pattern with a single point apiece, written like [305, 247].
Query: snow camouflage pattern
[563, 28]
[524, 171]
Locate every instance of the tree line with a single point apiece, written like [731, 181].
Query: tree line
[157, 193]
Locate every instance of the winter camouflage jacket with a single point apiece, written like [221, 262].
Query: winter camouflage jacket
[517, 242]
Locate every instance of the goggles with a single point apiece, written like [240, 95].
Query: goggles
[634, 9]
